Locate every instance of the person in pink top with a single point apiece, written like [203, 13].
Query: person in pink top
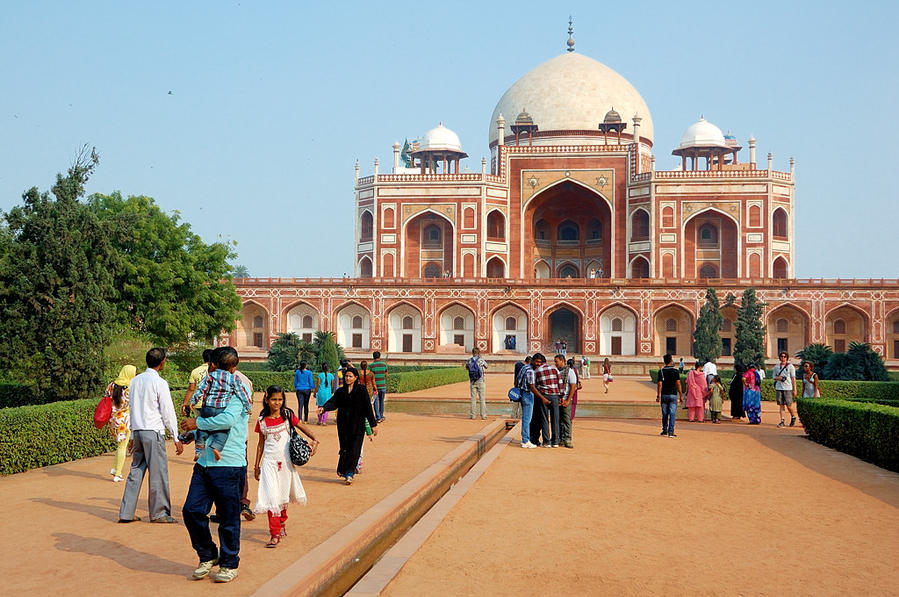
[696, 391]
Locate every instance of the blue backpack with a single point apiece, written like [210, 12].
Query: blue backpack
[474, 370]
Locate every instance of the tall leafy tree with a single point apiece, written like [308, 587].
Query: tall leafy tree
[706, 338]
[56, 287]
[170, 284]
[287, 351]
[749, 348]
[327, 349]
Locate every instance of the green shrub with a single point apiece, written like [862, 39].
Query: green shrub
[399, 383]
[253, 366]
[856, 390]
[868, 431]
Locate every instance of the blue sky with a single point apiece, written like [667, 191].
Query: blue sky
[272, 102]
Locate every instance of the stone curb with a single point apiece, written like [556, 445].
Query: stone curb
[336, 564]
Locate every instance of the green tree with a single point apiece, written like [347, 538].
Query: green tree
[241, 271]
[287, 351]
[327, 350]
[56, 288]
[706, 338]
[859, 363]
[749, 348]
[171, 285]
[818, 354]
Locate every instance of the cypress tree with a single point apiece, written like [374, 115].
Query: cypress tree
[750, 332]
[706, 338]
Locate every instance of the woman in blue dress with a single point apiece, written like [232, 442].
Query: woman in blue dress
[324, 389]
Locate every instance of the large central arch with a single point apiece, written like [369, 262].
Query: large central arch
[565, 229]
[711, 245]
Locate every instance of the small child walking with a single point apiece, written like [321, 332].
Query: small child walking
[120, 419]
[716, 398]
[279, 483]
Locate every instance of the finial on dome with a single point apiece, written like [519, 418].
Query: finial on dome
[570, 35]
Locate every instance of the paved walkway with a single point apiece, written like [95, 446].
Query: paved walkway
[720, 510]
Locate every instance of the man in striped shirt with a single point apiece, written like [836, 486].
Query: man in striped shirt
[379, 368]
[546, 412]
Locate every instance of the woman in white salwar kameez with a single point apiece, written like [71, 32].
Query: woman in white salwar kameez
[279, 483]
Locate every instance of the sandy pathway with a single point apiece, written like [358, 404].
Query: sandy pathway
[60, 535]
[726, 509]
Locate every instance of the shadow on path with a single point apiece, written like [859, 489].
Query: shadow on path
[106, 514]
[63, 471]
[121, 554]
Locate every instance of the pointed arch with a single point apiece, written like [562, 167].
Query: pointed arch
[856, 323]
[639, 268]
[366, 226]
[404, 335]
[541, 270]
[506, 339]
[496, 225]
[640, 225]
[251, 336]
[496, 265]
[793, 336]
[453, 335]
[568, 267]
[780, 268]
[365, 267]
[676, 339]
[780, 228]
[572, 181]
[618, 330]
[722, 251]
[410, 263]
[353, 323]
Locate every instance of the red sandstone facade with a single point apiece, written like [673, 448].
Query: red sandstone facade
[571, 233]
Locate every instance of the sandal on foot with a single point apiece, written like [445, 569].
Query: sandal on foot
[274, 541]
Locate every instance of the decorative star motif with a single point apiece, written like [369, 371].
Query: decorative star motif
[601, 182]
[533, 181]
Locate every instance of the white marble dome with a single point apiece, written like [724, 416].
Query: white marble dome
[572, 92]
[440, 138]
[702, 133]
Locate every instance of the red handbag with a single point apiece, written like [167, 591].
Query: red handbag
[103, 412]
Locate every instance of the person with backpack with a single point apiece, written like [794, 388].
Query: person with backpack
[524, 380]
[476, 367]
[516, 406]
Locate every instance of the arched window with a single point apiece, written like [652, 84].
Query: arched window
[388, 218]
[432, 270]
[780, 268]
[782, 325]
[595, 230]
[357, 322]
[511, 324]
[496, 226]
[407, 322]
[639, 225]
[568, 231]
[616, 324]
[708, 271]
[366, 226]
[365, 268]
[640, 268]
[568, 271]
[670, 325]
[755, 216]
[458, 323]
[258, 321]
[431, 236]
[468, 218]
[668, 217]
[708, 235]
[541, 230]
[779, 228]
[839, 326]
[496, 268]
[307, 321]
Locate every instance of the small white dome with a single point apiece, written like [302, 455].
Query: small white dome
[702, 134]
[440, 139]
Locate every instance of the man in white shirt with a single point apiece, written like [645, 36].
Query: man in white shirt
[568, 385]
[152, 412]
[710, 370]
[785, 387]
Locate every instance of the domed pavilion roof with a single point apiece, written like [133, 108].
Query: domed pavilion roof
[440, 138]
[572, 92]
[702, 133]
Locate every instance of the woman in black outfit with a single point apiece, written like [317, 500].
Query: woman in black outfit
[735, 393]
[353, 406]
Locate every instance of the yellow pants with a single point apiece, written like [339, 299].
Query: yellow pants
[120, 451]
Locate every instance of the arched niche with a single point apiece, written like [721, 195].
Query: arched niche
[674, 331]
[510, 330]
[303, 320]
[843, 326]
[252, 328]
[404, 329]
[353, 327]
[617, 331]
[457, 327]
[787, 329]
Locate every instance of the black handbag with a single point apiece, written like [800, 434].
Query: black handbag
[297, 447]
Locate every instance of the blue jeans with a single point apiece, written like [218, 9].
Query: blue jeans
[379, 403]
[669, 412]
[527, 411]
[213, 439]
[222, 486]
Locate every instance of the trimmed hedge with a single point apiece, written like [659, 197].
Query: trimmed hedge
[44, 434]
[399, 383]
[868, 431]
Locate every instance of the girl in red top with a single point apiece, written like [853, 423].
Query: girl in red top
[279, 482]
